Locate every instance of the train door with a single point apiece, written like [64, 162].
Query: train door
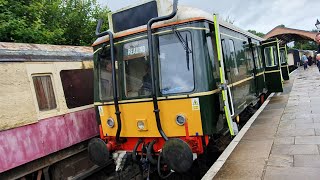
[226, 52]
[225, 88]
[259, 70]
[284, 62]
[272, 65]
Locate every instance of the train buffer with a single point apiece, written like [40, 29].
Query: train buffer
[283, 141]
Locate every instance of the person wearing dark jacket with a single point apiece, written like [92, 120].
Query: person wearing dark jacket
[318, 52]
[310, 61]
[317, 39]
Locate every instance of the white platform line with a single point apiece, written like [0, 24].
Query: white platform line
[293, 71]
[226, 153]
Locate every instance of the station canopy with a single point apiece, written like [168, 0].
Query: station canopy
[287, 35]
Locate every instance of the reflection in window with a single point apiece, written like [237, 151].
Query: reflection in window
[77, 87]
[176, 65]
[44, 92]
[105, 75]
[283, 56]
[210, 48]
[233, 56]
[271, 58]
[256, 57]
[137, 69]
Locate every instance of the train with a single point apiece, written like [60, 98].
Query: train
[169, 80]
[44, 116]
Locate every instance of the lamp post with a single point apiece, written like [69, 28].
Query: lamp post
[318, 25]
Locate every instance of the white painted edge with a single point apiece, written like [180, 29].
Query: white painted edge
[226, 153]
[293, 71]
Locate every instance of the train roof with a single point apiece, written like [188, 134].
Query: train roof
[23, 52]
[184, 14]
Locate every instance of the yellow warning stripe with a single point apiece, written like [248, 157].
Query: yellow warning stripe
[272, 71]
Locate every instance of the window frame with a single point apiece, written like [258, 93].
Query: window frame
[68, 103]
[53, 90]
[159, 66]
[274, 59]
[123, 68]
[234, 57]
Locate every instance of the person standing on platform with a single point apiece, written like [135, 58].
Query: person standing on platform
[304, 60]
[318, 52]
[318, 41]
[318, 61]
[310, 61]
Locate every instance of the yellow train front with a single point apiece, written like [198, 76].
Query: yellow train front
[157, 95]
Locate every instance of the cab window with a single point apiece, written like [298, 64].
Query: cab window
[176, 63]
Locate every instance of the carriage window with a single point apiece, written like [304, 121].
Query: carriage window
[271, 58]
[256, 57]
[105, 74]
[283, 56]
[77, 86]
[233, 56]
[210, 41]
[44, 92]
[137, 69]
[176, 64]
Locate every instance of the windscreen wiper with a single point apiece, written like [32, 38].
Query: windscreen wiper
[185, 45]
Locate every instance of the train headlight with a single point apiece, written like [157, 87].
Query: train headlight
[141, 125]
[180, 120]
[110, 122]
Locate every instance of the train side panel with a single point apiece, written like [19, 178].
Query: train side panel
[239, 68]
[16, 101]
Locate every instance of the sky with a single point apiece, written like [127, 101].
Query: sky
[259, 15]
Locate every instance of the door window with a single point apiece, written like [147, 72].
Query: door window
[233, 56]
[271, 56]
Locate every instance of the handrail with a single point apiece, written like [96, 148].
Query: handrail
[231, 101]
[150, 45]
[114, 77]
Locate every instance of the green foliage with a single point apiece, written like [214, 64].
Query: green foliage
[281, 26]
[260, 34]
[68, 22]
[305, 45]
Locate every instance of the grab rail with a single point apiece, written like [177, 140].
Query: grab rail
[231, 101]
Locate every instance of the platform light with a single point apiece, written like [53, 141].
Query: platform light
[140, 125]
[180, 120]
[110, 122]
[318, 24]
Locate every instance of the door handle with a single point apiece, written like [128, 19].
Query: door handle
[231, 101]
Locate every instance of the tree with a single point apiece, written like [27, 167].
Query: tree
[69, 22]
[281, 26]
[305, 45]
[260, 34]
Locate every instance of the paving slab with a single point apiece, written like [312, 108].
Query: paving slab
[291, 173]
[283, 140]
[280, 160]
[307, 161]
[261, 150]
[307, 140]
[232, 170]
[288, 149]
[296, 132]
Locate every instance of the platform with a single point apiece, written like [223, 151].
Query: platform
[283, 141]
